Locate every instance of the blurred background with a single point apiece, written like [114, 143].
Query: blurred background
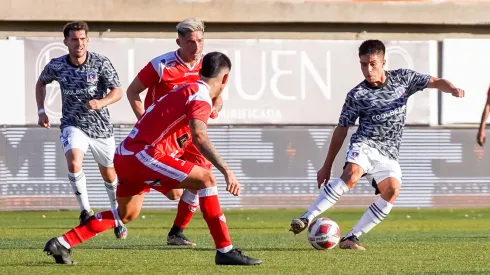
[293, 63]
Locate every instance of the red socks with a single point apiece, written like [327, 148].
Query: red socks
[211, 211]
[100, 222]
[185, 210]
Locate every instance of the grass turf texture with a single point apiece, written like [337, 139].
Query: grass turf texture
[407, 242]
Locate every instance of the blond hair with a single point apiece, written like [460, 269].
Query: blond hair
[190, 25]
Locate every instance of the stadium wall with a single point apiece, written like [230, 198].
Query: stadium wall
[278, 116]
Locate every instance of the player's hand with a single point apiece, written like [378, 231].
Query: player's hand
[480, 138]
[95, 104]
[232, 184]
[214, 113]
[323, 175]
[456, 92]
[43, 120]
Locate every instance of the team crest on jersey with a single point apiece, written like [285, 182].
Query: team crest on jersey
[91, 77]
[354, 154]
[182, 140]
[399, 91]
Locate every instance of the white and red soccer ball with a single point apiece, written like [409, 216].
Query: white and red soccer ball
[324, 233]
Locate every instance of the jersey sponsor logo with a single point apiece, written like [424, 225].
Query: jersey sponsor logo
[191, 73]
[92, 77]
[391, 113]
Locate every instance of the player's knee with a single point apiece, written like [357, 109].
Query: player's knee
[351, 175]
[390, 189]
[174, 194]
[74, 165]
[208, 179]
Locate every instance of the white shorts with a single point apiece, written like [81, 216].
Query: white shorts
[103, 149]
[377, 167]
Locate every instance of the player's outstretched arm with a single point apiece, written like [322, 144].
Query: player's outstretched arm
[199, 131]
[480, 138]
[336, 142]
[133, 93]
[445, 86]
[43, 120]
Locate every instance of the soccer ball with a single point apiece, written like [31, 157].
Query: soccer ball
[324, 233]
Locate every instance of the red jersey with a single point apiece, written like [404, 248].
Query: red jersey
[170, 114]
[165, 73]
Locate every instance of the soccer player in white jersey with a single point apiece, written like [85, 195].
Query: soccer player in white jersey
[380, 104]
[84, 78]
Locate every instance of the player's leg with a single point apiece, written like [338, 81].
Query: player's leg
[189, 201]
[128, 210]
[103, 150]
[203, 180]
[386, 176]
[188, 204]
[357, 163]
[75, 144]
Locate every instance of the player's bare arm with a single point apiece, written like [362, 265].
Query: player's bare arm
[481, 137]
[336, 142]
[199, 131]
[445, 86]
[133, 93]
[112, 97]
[43, 119]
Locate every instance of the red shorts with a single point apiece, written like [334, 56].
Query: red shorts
[192, 154]
[144, 170]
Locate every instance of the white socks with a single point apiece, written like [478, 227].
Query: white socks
[79, 185]
[375, 214]
[329, 195]
[110, 188]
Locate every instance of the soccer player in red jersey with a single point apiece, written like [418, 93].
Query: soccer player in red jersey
[148, 158]
[480, 138]
[161, 75]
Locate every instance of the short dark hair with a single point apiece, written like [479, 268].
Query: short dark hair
[370, 47]
[213, 63]
[74, 26]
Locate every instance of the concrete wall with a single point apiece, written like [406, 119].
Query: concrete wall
[252, 18]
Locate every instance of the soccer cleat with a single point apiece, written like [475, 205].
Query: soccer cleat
[351, 242]
[298, 225]
[85, 216]
[179, 239]
[235, 257]
[60, 253]
[121, 232]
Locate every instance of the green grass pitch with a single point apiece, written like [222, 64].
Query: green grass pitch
[407, 242]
